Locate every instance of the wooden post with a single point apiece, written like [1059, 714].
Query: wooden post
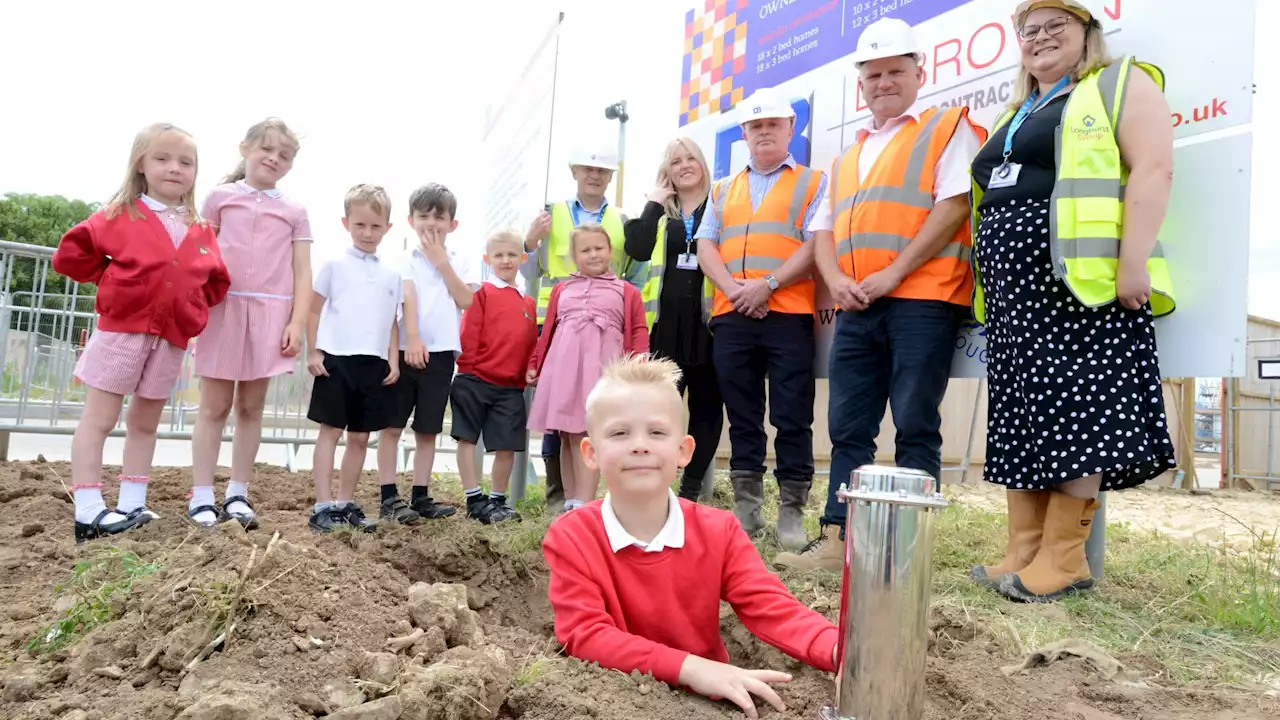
[1188, 435]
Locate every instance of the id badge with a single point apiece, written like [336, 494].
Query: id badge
[687, 261]
[1004, 175]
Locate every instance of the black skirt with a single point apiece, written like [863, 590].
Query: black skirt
[1074, 391]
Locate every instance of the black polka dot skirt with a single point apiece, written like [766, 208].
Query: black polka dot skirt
[1074, 391]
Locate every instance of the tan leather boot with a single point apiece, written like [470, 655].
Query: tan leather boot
[1060, 567]
[824, 553]
[1026, 524]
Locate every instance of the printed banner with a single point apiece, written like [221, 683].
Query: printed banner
[971, 58]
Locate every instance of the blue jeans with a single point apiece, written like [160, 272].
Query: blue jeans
[896, 351]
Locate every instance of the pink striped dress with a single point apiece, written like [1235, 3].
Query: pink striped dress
[257, 230]
[137, 363]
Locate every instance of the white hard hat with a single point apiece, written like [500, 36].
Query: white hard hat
[765, 103]
[887, 37]
[592, 156]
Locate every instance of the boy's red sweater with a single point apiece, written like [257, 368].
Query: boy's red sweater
[635, 610]
[499, 331]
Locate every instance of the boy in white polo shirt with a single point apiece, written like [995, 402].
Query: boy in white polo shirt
[438, 286]
[353, 338]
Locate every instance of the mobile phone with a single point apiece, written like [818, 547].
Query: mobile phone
[547, 207]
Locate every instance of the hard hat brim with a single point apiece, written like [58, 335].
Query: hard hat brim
[863, 58]
[602, 166]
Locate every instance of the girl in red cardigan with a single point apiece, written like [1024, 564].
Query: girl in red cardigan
[593, 318]
[158, 271]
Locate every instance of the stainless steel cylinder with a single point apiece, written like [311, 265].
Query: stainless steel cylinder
[884, 605]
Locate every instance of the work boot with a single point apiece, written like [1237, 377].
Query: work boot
[826, 552]
[555, 486]
[1026, 524]
[792, 497]
[748, 497]
[1060, 567]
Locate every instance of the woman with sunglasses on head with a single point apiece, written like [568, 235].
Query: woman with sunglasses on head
[1069, 194]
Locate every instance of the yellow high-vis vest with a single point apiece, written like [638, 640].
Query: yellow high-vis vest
[1086, 215]
[652, 290]
[555, 258]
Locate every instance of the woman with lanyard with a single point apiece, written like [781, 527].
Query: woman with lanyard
[1067, 278]
[674, 295]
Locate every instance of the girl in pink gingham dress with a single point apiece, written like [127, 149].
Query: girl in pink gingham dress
[258, 332]
[158, 272]
[593, 317]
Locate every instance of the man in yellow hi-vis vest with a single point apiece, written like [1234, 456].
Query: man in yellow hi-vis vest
[550, 260]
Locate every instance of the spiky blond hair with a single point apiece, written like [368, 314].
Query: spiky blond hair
[372, 196]
[631, 371]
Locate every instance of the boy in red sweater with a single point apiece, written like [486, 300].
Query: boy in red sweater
[499, 331]
[637, 578]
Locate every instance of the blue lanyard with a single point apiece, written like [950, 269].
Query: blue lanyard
[1030, 105]
[573, 208]
[688, 231]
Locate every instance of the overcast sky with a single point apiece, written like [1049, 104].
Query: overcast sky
[392, 93]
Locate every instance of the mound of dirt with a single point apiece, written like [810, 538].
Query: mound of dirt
[447, 621]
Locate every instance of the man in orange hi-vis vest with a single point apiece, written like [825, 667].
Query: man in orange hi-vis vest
[892, 245]
[754, 248]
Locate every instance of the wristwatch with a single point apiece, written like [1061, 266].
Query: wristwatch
[772, 282]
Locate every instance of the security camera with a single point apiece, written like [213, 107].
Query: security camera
[617, 111]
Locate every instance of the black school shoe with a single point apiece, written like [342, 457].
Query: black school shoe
[328, 520]
[428, 508]
[397, 510]
[356, 518]
[97, 528]
[489, 511]
[250, 522]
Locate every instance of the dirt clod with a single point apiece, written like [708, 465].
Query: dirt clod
[388, 708]
[381, 668]
[444, 605]
[464, 683]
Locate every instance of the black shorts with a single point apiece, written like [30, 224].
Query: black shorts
[497, 411]
[352, 396]
[423, 394]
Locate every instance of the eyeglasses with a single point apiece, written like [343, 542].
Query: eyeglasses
[1053, 28]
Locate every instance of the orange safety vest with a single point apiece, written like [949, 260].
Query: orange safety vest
[754, 244]
[875, 220]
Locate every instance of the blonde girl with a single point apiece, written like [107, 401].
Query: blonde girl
[593, 317]
[158, 272]
[265, 237]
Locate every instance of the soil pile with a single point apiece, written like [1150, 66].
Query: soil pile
[445, 621]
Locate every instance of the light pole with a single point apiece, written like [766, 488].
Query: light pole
[618, 111]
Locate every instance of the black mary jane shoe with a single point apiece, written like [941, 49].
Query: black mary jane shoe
[140, 515]
[98, 529]
[250, 522]
[193, 512]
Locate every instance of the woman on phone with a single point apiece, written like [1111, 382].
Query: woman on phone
[678, 296]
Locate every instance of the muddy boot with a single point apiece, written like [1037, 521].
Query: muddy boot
[748, 496]
[555, 486]
[1026, 523]
[1060, 567]
[793, 495]
[826, 552]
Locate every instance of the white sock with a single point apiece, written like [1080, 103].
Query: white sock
[238, 508]
[89, 503]
[133, 493]
[202, 495]
[322, 506]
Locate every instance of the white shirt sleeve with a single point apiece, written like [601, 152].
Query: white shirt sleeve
[323, 285]
[822, 218]
[406, 269]
[951, 177]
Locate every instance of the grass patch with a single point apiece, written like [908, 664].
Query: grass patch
[98, 584]
[1193, 613]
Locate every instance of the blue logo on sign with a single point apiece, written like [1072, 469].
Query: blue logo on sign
[1089, 121]
[800, 143]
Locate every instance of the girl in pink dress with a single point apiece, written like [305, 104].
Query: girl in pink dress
[592, 318]
[158, 272]
[258, 332]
